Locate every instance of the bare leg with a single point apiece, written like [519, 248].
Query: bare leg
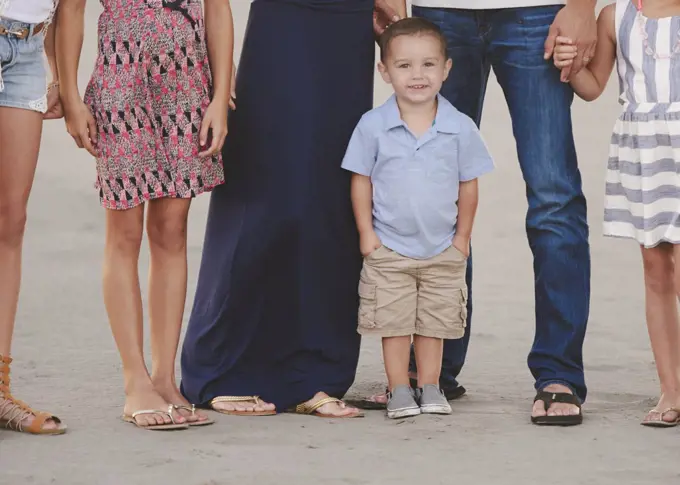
[123, 301]
[396, 354]
[166, 227]
[20, 132]
[662, 283]
[428, 359]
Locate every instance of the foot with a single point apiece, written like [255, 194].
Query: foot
[11, 408]
[247, 406]
[432, 400]
[171, 394]
[150, 399]
[665, 413]
[402, 403]
[556, 409]
[333, 409]
[378, 401]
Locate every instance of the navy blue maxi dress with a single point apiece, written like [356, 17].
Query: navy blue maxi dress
[275, 310]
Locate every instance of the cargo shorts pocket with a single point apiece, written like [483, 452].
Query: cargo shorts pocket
[463, 301]
[367, 304]
[453, 307]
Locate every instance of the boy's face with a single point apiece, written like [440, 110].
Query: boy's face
[416, 67]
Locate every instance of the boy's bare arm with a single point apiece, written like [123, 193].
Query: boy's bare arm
[468, 196]
[362, 203]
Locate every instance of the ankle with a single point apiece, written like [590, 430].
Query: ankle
[138, 385]
[166, 383]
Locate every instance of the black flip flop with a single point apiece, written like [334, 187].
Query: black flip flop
[560, 397]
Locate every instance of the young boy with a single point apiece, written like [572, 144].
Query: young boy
[415, 161]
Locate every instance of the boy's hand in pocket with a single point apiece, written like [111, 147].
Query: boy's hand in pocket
[368, 243]
[462, 244]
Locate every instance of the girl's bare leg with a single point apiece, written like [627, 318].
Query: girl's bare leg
[661, 289]
[20, 132]
[123, 300]
[166, 228]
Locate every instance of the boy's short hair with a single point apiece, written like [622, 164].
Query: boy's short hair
[410, 26]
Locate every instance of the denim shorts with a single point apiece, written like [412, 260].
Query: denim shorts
[22, 68]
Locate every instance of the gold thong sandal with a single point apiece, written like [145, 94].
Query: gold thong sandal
[14, 412]
[660, 423]
[155, 427]
[240, 399]
[192, 410]
[312, 409]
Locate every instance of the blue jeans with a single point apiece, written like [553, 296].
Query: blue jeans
[511, 42]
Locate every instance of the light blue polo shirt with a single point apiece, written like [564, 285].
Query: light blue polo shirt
[415, 180]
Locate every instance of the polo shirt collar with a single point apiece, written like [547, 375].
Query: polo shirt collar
[445, 121]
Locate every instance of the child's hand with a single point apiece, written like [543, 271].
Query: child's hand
[565, 52]
[368, 243]
[214, 125]
[462, 244]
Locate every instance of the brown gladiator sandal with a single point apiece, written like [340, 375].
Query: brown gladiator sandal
[14, 412]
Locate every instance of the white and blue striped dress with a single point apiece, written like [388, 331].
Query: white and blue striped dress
[642, 198]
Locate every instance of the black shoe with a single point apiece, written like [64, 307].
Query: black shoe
[451, 393]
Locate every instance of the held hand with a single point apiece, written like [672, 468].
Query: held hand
[564, 55]
[368, 243]
[81, 126]
[579, 24]
[462, 244]
[213, 129]
[55, 110]
[383, 16]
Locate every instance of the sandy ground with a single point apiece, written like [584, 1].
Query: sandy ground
[66, 360]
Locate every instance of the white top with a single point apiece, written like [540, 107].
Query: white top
[485, 4]
[29, 11]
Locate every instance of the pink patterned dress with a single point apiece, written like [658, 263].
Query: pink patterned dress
[149, 90]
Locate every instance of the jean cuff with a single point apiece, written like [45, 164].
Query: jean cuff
[544, 384]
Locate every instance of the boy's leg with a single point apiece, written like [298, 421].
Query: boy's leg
[388, 302]
[441, 314]
[396, 356]
[557, 229]
[465, 89]
[428, 352]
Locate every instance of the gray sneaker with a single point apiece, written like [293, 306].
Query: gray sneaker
[402, 403]
[432, 400]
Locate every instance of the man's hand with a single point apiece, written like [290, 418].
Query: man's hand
[383, 16]
[81, 126]
[577, 22]
[368, 243]
[462, 244]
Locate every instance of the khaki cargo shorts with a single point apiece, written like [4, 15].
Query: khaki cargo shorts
[401, 296]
